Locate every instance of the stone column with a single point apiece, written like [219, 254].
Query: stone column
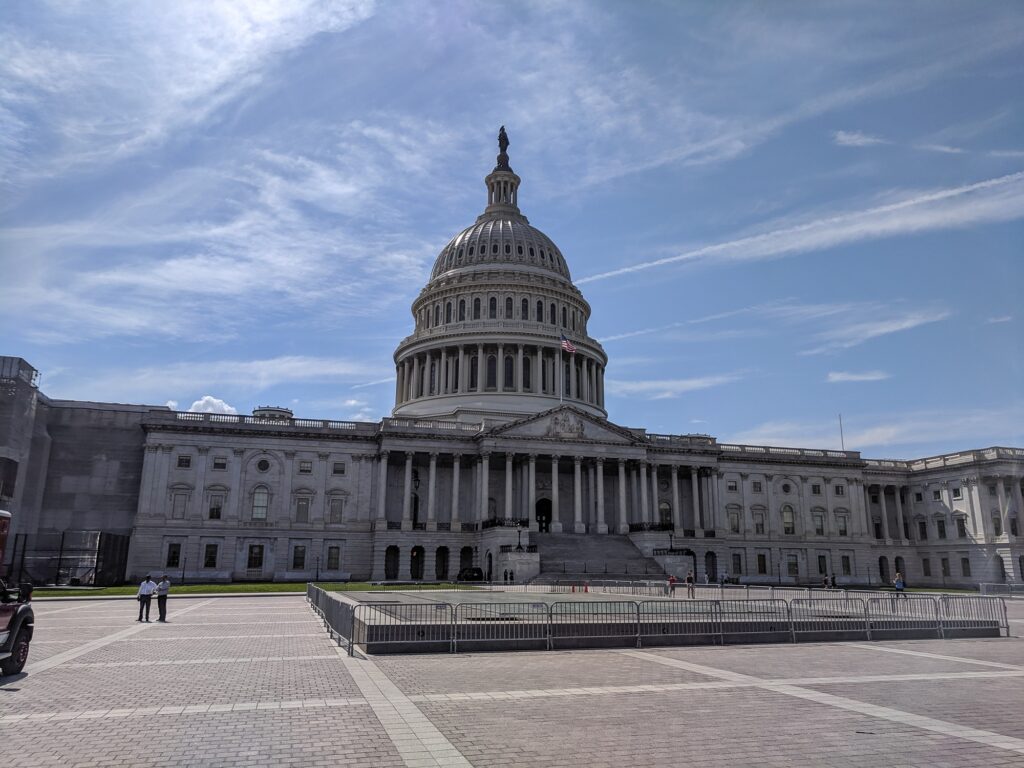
[431, 494]
[577, 500]
[865, 499]
[572, 377]
[535, 378]
[519, 367]
[442, 388]
[531, 484]
[642, 480]
[556, 521]
[901, 520]
[407, 493]
[697, 522]
[748, 527]
[655, 517]
[623, 524]
[456, 524]
[716, 507]
[977, 510]
[499, 372]
[769, 517]
[481, 368]
[602, 525]
[677, 513]
[508, 485]
[485, 485]
[382, 487]
[885, 513]
[1018, 503]
[195, 509]
[415, 376]
[460, 381]
[1004, 507]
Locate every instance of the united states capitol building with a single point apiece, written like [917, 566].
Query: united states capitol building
[499, 454]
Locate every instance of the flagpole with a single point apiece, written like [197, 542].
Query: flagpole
[561, 374]
[842, 441]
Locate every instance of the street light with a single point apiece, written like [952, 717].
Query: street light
[671, 545]
[519, 536]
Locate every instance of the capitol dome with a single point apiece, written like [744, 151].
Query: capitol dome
[500, 330]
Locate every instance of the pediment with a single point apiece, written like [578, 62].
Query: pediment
[566, 424]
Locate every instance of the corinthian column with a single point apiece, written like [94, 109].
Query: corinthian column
[602, 526]
[556, 521]
[577, 501]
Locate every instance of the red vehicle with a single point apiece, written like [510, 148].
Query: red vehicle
[17, 620]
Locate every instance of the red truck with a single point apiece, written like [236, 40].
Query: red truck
[17, 620]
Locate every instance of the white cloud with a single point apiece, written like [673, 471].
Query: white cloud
[852, 334]
[172, 404]
[211, 404]
[998, 199]
[944, 149]
[668, 388]
[1012, 153]
[365, 384]
[999, 319]
[836, 377]
[856, 139]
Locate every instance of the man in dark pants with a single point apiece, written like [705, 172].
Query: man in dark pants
[145, 595]
[162, 590]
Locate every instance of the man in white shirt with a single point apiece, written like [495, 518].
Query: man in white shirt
[162, 590]
[145, 595]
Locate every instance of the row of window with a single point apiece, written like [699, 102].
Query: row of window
[260, 506]
[436, 377]
[451, 312]
[757, 487]
[965, 566]
[547, 256]
[263, 465]
[792, 564]
[788, 522]
[254, 559]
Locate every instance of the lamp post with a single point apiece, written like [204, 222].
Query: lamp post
[519, 536]
[671, 545]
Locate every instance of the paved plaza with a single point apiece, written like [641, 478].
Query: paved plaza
[255, 681]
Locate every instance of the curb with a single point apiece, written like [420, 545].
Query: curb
[179, 596]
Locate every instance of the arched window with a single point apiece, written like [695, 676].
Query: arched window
[462, 310]
[494, 248]
[510, 372]
[526, 375]
[508, 308]
[526, 309]
[448, 312]
[553, 315]
[492, 372]
[564, 317]
[492, 308]
[437, 314]
[471, 250]
[574, 321]
[260, 503]
[540, 311]
[664, 513]
[433, 378]
[474, 372]
[508, 249]
[788, 524]
[519, 250]
[476, 309]
[459, 255]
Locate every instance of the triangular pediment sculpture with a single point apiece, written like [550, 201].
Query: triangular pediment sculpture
[566, 424]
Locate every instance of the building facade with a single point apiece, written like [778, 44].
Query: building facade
[499, 455]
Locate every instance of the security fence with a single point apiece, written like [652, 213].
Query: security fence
[1005, 589]
[440, 627]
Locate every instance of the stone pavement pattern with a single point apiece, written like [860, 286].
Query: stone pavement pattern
[256, 681]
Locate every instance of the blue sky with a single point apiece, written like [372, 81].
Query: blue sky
[778, 212]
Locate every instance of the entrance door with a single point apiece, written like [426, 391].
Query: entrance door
[391, 563]
[465, 558]
[544, 515]
[441, 564]
[711, 566]
[416, 563]
[883, 569]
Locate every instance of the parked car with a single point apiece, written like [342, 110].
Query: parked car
[470, 574]
[17, 622]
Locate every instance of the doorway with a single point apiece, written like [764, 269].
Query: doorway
[391, 563]
[441, 564]
[543, 512]
[883, 569]
[465, 558]
[416, 563]
[711, 567]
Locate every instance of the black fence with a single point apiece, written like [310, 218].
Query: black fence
[74, 558]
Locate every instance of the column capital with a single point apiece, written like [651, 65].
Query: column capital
[744, 475]
[485, 455]
[205, 449]
[555, 457]
[433, 455]
[599, 461]
[532, 457]
[577, 460]
[321, 456]
[383, 455]
[409, 455]
[238, 451]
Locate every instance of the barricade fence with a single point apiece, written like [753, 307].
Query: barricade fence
[388, 626]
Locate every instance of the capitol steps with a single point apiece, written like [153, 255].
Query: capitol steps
[596, 556]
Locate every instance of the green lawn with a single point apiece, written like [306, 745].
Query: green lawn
[214, 589]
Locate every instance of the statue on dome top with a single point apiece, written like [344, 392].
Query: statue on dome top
[502, 140]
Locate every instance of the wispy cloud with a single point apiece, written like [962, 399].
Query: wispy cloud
[944, 149]
[669, 388]
[854, 333]
[999, 319]
[838, 377]
[856, 139]
[998, 199]
[389, 380]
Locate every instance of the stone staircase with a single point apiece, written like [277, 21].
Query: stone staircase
[593, 556]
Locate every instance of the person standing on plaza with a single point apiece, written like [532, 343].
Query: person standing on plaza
[162, 590]
[145, 595]
[691, 590]
[899, 584]
[671, 585]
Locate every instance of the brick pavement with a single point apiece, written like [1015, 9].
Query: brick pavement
[223, 686]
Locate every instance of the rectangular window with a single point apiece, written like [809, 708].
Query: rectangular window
[333, 558]
[991, 490]
[965, 566]
[918, 496]
[255, 557]
[305, 467]
[260, 503]
[762, 563]
[737, 563]
[822, 564]
[336, 509]
[819, 525]
[1013, 527]
[816, 489]
[840, 490]
[173, 555]
[298, 558]
[180, 501]
[788, 526]
[216, 505]
[945, 566]
[878, 529]
[184, 462]
[843, 526]
[338, 468]
[302, 510]
[845, 560]
[210, 556]
[734, 522]
[997, 525]
[936, 495]
[756, 485]
[961, 528]
[792, 565]
[926, 566]
[220, 462]
[941, 526]
[731, 485]
[874, 498]
[957, 493]
[758, 523]
[922, 530]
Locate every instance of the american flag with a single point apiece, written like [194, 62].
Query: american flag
[568, 345]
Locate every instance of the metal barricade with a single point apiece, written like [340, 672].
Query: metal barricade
[970, 615]
[837, 618]
[900, 615]
[517, 626]
[335, 614]
[735, 592]
[610, 623]
[791, 593]
[755, 620]
[395, 627]
[679, 622]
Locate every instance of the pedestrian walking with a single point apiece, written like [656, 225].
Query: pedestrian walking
[162, 590]
[691, 590]
[900, 585]
[670, 588]
[145, 596]
[832, 581]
